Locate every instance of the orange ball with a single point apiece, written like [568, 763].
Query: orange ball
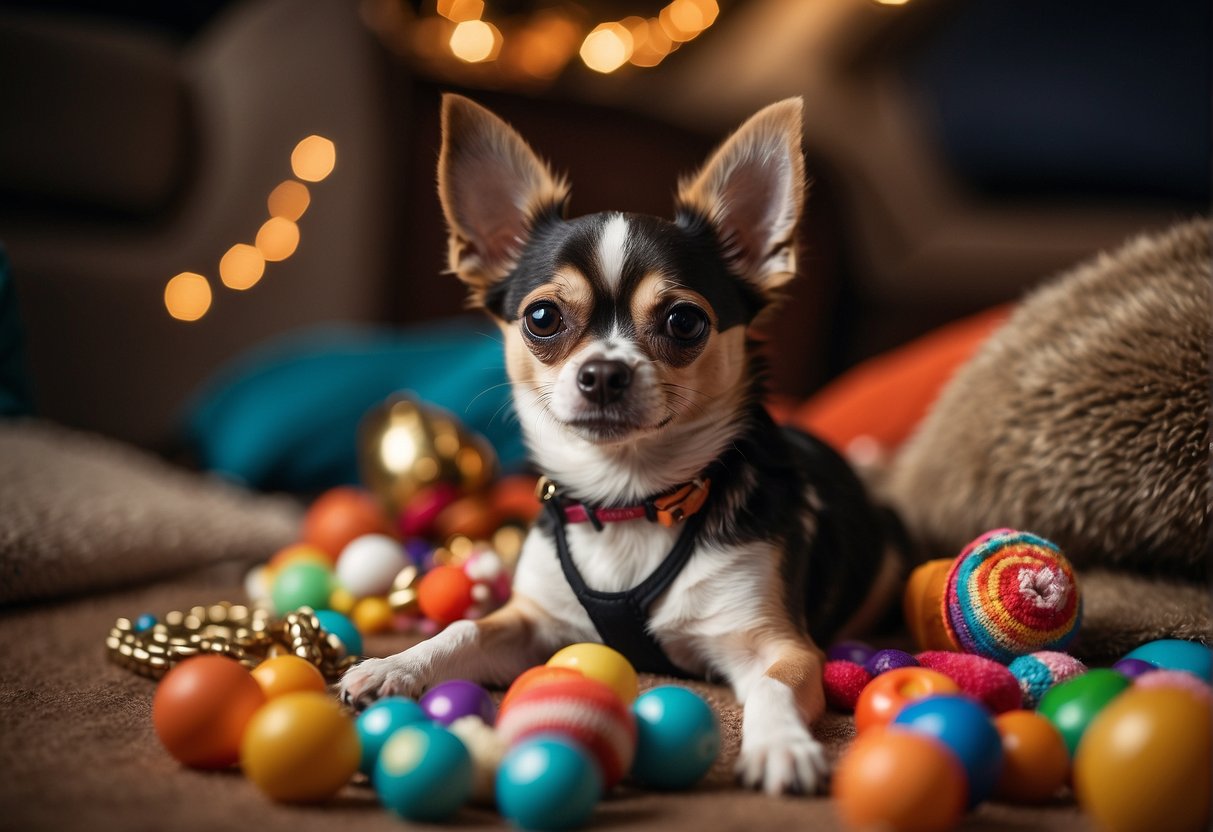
[338, 516]
[288, 674]
[1035, 763]
[468, 516]
[535, 676]
[201, 708]
[444, 594]
[299, 553]
[513, 498]
[899, 780]
[884, 697]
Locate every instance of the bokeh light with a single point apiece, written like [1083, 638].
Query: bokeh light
[313, 158]
[277, 239]
[607, 48]
[544, 47]
[650, 43]
[461, 10]
[187, 296]
[289, 200]
[475, 41]
[891, 2]
[241, 267]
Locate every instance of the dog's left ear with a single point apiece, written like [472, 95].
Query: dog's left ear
[493, 187]
[752, 192]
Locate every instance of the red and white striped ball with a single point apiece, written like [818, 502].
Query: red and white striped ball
[584, 710]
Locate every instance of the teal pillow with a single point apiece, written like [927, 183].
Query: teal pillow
[15, 398]
[285, 416]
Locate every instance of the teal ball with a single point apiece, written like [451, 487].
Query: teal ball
[1176, 654]
[380, 721]
[677, 738]
[548, 782]
[302, 584]
[424, 773]
[336, 624]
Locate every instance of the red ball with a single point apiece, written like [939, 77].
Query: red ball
[540, 675]
[584, 710]
[444, 594]
[201, 709]
[884, 697]
[844, 681]
[341, 514]
[984, 679]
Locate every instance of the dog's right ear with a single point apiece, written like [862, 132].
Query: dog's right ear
[493, 187]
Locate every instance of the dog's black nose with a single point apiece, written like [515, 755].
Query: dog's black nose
[603, 382]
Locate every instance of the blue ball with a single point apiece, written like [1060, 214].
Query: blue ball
[965, 727]
[340, 626]
[380, 721]
[1176, 654]
[144, 622]
[424, 773]
[883, 661]
[677, 738]
[548, 782]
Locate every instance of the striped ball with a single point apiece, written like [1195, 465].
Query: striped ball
[1037, 672]
[1011, 593]
[584, 710]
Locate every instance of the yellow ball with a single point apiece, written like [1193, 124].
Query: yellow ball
[1145, 763]
[288, 674]
[300, 748]
[373, 615]
[601, 663]
[342, 601]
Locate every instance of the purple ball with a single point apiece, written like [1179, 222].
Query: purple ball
[850, 651]
[1133, 667]
[886, 660]
[457, 698]
[418, 550]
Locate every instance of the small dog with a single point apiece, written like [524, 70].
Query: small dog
[682, 526]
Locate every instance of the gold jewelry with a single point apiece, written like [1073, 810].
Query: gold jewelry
[250, 636]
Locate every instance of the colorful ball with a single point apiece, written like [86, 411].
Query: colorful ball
[144, 623]
[548, 783]
[1011, 594]
[302, 584]
[883, 661]
[342, 600]
[424, 773]
[470, 516]
[416, 519]
[1146, 763]
[487, 750]
[677, 738]
[843, 682]
[259, 583]
[300, 748]
[895, 779]
[368, 564]
[1072, 705]
[1176, 654]
[372, 615]
[850, 651]
[340, 515]
[1180, 679]
[288, 674]
[299, 553]
[1133, 668]
[1036, 763]
[987, 681]
[201, 709]
[584, 710]
[966, 728]
[336, 624]
[888, 693]
[451, 700]
[1038, 672]
[444, 594]
[597, 661]
[380, 721]
[532, 677]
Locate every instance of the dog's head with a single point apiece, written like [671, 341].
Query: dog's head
[618, 325]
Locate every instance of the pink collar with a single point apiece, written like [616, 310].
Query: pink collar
[668, 509]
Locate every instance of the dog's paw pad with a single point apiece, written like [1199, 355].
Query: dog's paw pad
[795, 765]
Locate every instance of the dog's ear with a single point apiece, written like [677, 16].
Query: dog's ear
[752, 192]
[492, 187]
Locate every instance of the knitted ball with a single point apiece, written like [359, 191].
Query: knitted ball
[1010, 593]
[985, 680]
[1037, 672]
[584, 710]
[886, 660]
[843, 682]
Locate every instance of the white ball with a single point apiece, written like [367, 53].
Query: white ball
[257, 584]
[369, 564]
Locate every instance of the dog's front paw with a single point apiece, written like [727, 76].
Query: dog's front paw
[778, 765]
[375, 678]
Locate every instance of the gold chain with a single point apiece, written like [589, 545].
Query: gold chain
[250, 636]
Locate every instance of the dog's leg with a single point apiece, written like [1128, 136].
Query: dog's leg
[493, 650]
[780, 684]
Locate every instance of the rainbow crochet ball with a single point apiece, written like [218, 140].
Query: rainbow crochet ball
[1010, 593]
[1037, 672]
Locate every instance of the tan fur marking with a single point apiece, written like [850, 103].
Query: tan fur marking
[506, 627]
[570, 289]
[799, 667]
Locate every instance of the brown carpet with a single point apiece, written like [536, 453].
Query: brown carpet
[77, 750]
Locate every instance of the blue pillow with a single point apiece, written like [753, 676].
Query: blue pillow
[285, 416]
[15, 399]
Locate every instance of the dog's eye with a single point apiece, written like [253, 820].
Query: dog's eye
[542, 319]
[686, 323]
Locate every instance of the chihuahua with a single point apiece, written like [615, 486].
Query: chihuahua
[681, 526]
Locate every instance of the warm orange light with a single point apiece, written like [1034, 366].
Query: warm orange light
[461, 10]
[277, 239]
[475, 41]
[241, 267]
[545, 46]
[891, 2]
[187, 296]
[289, 200]
[684, 20]
[314, 158]
[607, 48]
[652, 44]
